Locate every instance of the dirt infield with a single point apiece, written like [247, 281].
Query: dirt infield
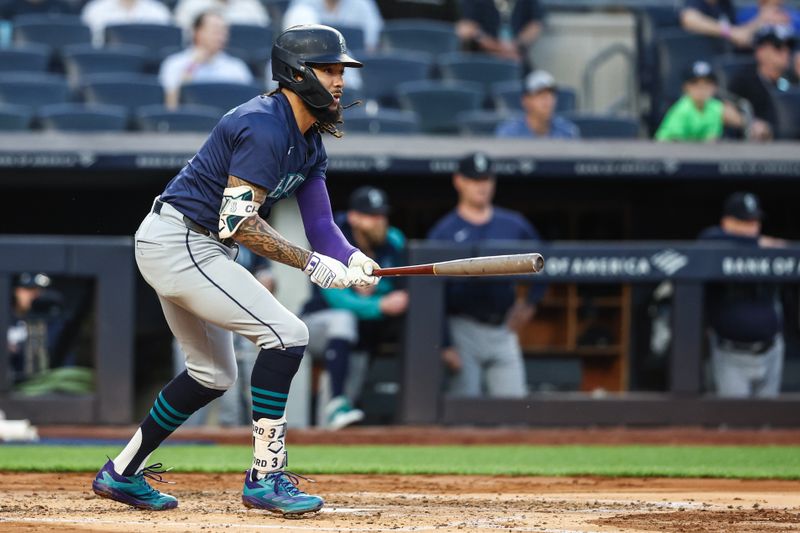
[64, 502]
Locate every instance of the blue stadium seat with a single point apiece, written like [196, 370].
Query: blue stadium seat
[729, 67]
[61, 18]
[223, 96]
[353, 36]
[83, 118]
[130, 91]
[507, 97]
[478, 68]
[384, 71]
[153, 36]
[189, 118]
[437, 103]
[787, 107]
[55, 32]
[83, 60]
[33, 89]
[25, 58]
[606, 127]
[254, 42]
[480, 122]
[386, 121]
[15, 117]
[678, 49]
[429, 36]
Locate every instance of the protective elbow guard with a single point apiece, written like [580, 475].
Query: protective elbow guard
[237, 205]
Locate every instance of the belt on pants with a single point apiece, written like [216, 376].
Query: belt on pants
[756, 348]
[194, 226]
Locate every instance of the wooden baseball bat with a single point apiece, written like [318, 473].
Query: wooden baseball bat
[495, 265]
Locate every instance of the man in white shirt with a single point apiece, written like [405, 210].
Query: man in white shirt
[250, 12]
[205, 61]
[98, 14]
[362, 14]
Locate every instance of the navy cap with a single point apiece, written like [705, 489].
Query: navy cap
[31, 280]
[775, 35]
[477, 165]
[743, 206]
[370, 200]
[699, 70]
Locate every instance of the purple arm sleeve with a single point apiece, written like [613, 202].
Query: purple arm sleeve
[323, 234]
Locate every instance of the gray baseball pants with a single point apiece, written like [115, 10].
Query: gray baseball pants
[206, 295]
[491, 358]
[739, 374]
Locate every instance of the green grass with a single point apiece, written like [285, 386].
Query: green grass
[681, 461]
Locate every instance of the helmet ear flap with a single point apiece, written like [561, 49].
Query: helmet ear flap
[286, 65]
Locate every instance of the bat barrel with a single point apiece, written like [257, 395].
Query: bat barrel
[496, 265]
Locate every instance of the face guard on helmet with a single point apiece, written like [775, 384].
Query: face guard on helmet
[299, 47]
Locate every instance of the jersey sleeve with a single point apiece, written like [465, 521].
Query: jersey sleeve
[320, 167]
[257, 149]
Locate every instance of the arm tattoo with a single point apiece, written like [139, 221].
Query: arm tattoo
[262, 238]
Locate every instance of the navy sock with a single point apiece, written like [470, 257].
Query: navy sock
[269, 383]
[175, 403]
[337, 361]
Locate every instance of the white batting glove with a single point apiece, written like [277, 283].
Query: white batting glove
[327, 272]
[360, 269]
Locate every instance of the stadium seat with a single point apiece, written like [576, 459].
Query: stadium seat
[507, 97]
[25, 58]
[429, 36]
[223, 96]
[605, 127]
[353, 36]
[82, 61]
[254, 43]
[153, 36]
[130, 91]
[478, 68]
[676, 50]
[55, 32]
[33, 89]
[384, 71]
[15, 117]
[437, 103]
[386, 121]
[729, 67]
[480, 122]
[787, 108]
[189, 118]
[83, 118]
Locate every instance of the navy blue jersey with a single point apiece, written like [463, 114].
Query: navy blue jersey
[259, 142]
[740, 311]
[487, 301]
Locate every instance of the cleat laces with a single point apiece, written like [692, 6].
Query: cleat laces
[288, 482]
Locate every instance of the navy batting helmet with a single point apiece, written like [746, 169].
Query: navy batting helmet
[299, 47]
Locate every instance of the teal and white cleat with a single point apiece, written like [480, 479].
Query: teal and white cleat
[133, 490]
[277, 492]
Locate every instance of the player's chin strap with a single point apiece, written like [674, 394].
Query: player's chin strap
[269, 445]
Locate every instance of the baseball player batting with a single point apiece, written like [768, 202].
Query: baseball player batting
[261, 152]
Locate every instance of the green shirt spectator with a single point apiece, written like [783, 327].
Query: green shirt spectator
[686, 122]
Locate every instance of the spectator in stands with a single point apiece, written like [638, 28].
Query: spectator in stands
[97, 14]
[480, 345]
[335, 317]
[249, 12]
[504, 28]
[716, 18]
[770, 12]
[698, 115]
[444, 10]
[11, 8]
[361, 14]
[746, 319]
[204, 61]
[773, 46]
[540, 121]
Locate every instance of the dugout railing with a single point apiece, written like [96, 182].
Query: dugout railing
[689, 267]
[109, 263]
